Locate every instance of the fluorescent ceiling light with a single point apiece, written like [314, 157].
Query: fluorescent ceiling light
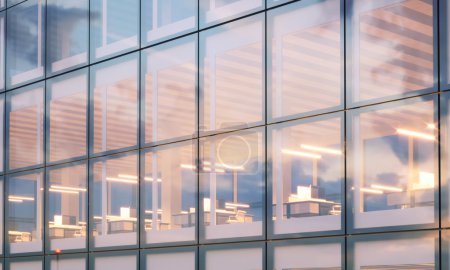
[63, 191]
[23, 198]
[387, 188]
[67, 188]
[121, 180]
[301, 154]
[321, 149]
[370, 190]
[415, 134]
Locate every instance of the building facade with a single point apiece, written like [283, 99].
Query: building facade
[224, 134]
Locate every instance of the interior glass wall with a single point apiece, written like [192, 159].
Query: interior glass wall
[114, 201]
[307, 175]
[169, 194]
[24, 212]
[232, 185]
[393, 149]
[67, 207]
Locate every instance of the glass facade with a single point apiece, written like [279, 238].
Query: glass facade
[224, 134]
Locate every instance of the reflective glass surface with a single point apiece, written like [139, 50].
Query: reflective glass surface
[169, 90]
[114, 104]
[216, 11]
[25, 126]
[66, 262]
[114, 201]
[169, 194]
[393, 160]
[392, 48]
[231, 75]
[67, 111]
[180, 258]
[67, 207]
[67, 34]
[307, 175]
[232, 185]
[25, 43]
[163, 19]
[323, 254]
[395, 252]
[300, 52]
[236, 257]
[24, 212]
[114, 260]
[114, 27]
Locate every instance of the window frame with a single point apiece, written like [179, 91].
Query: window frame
[350, 166]
[270, 174]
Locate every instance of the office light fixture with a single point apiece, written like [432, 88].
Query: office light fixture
[321, 149]
[15, 200]
[301, 154]
[415, 134]
[67, 188]
[134, 177]
[63, 191]
[370, 190]
[234, 205]
[121, 180]
[23, 198]
[386, 188]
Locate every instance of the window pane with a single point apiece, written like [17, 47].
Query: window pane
[163, 19]
[115, 104]
[26, 264]
[114, 201]
[412, 251]
[271, 3]
[232, 74]
[232, 184]
[24, 212]
[394, 167]
[2, 127]
[25, 119]
[67, 110]
[171, 260]
[67, 35]
[2, 192]
[116, 261]
[170, 90]
[114, 27]
[215, 11]
[169, 202]
[305, 44]
[243, 258]
[300, 256]
[393, 48]
[70, 262]
[2, 49]
[307, 175]
[67, 207]
[25, 42]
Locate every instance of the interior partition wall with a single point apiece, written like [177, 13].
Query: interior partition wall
[224, 134]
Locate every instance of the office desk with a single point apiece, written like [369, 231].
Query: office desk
[17, 236]
[66, 231]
